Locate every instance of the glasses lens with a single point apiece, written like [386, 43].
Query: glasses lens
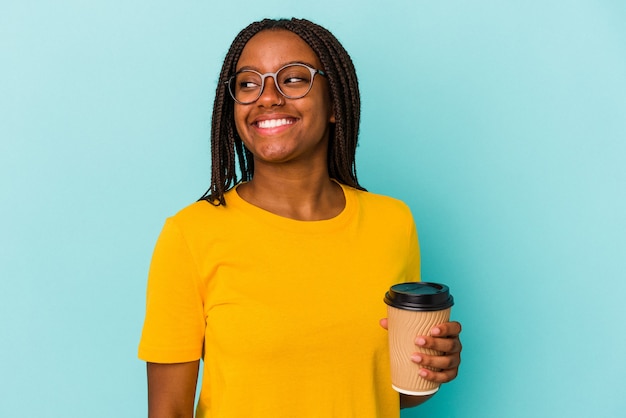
[295, 80]
[246, 86]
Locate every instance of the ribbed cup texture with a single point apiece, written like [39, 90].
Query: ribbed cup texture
[404, 326]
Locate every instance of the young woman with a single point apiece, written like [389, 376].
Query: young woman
[275, 279]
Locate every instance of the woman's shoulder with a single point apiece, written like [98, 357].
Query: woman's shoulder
[201, 214]
[199, 208]
[380, 203]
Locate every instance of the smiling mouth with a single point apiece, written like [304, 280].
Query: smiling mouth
[274, 123]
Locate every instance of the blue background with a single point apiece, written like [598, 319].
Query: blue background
[502, 125]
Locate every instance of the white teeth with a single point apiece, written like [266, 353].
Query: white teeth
[273, 123]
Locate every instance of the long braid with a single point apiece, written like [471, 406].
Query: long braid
[226, 145]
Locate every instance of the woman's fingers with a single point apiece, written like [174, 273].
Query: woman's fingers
[383, 323]
[447, 329]
[443, 376]
[444, 339]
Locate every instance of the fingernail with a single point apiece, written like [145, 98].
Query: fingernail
[420, 341]
[423, 373]
[435, 331]
[416, 358]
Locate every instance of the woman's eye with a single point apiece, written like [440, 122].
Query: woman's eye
[290, 80]
[243, 84]
[295, 80]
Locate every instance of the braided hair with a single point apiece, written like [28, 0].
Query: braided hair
[227, 146]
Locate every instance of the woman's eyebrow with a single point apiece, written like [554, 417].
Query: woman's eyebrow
[252, 67]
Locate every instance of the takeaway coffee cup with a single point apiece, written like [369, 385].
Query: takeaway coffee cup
[413, 309]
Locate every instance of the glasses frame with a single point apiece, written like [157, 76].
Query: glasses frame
[314, 72]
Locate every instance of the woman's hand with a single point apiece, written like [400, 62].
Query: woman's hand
[444, 338]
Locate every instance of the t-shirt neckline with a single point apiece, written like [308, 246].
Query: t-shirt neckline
[237, 202]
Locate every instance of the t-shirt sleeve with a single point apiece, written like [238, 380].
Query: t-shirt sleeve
[174, 325]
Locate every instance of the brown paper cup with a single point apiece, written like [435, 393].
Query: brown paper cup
[404, 326]
[413, 309]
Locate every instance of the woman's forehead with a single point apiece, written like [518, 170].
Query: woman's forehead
[269, 50]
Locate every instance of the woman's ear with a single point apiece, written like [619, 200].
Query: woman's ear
[332, 115]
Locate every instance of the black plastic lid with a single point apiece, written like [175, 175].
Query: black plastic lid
[419, 296]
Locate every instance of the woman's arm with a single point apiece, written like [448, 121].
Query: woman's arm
[172, 389]
[408, 401]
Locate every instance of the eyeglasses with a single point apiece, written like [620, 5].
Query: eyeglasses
[293, 81]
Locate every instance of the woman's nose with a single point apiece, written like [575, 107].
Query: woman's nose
[270, 96]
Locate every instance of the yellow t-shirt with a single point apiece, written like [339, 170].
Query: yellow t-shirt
[284, 313]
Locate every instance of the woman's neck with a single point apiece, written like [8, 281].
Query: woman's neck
[302, 196]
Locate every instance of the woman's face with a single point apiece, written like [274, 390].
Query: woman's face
[276, 129]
